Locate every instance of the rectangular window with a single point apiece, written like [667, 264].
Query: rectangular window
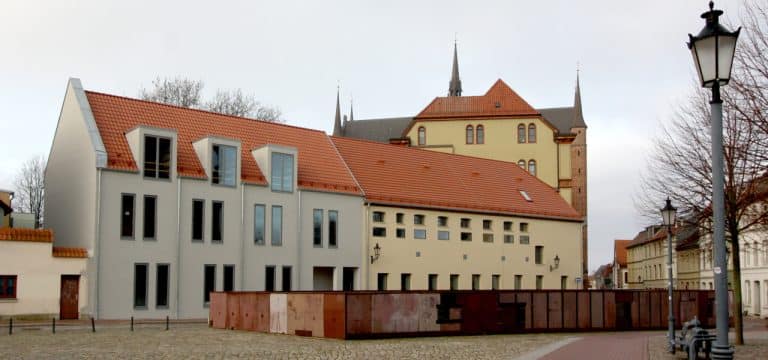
[259, 220]
[442, 221]
[277, 225]
[465, 223]
[162, 285]
[209, 283]
[509, 239]
[140, 274]
[524, 227]
[317, 227]
[475, 281]
[282, 172]
[286, 278]
[432, 282]
[466, 236]
[418, 219]
[525, 240]
[454, 281]
[488, 238]
[400, 233]
[157, 157]
[398, 217]
[487, 224]
[217, 221]
[379, 232]
[126, 215]
[419, 233]
[443, 235]
[198, 212]
[378, 216]
[381, 281]
[269, 278]
[405, 282]
[495, 281]
[8, 286]
[333, 228]
[229, 277]
[563, 282]
[539, 282]
[539, 255]
[518, 282]
[150, 217]
[507, 226]
[224, 165]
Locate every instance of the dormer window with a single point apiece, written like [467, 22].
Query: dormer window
[157, 157]
[224, 165]
[282, 172]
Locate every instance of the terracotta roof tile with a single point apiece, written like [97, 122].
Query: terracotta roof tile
[21, 234]
[319, 167]
[500, 100]
[65, 252]
[399, 175]
[620, 251]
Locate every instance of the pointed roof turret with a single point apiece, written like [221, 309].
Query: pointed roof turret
[454, 88]
[338, 130]
[351, 109]
[578, 116]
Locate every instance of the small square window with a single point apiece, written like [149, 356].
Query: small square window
[524, 227]
[487, 224]
[378, 216]
[488, 238]
[525, 240]
[379, 232]
[419, 233]
[509, 239]
[398, 217]
[507, 226]
[466, 236]
[443, 235]
[442, 221]
[400, 233]
[418, 219]
[465, 223]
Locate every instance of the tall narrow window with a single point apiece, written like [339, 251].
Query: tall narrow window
[539, 255]
[282, 172]
[229, 277]
[495, 281]
[454, 282]
[539, 282]
[286, 278]
[126, 215]
[531, 133]
[217, 218]
[480, 134]
[475, 281]
[150, 217]
[405, 282]
[258, 224]
[333, 223]
[521, 163]
[224, 165]
[157, 157]
[532, 167]
[432, 282]
[277, 225]
[209, 283]
[140, 274]
[162, 284]
[269, 278]
[381, 281]
[317, 227]
[518, 282]
[198, 211]
[422, 136]
[470, 134]
[521, 134]
[564, 282]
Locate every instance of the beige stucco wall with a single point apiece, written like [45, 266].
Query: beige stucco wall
[38, 278]
[649, 262]
[5, 197]
[445, 257]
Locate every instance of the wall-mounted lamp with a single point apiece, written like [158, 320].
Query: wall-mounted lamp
[376, 253]
[556, 265]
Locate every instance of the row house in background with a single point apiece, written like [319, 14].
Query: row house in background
[647, 259]
[620, 273]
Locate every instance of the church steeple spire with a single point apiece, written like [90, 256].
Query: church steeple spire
[454, 88]
[578, 115]
[351, 109]
[338, 130]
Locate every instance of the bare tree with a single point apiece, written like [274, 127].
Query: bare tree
[177, 91]
[235, 103]
[30, 189]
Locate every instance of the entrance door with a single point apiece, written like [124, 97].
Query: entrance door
[68, 304]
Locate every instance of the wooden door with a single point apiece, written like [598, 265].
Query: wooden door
[68, 303]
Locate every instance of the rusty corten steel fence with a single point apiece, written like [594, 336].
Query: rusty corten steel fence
[368, 314]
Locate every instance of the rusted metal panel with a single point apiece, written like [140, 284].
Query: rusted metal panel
[584, 313]
[555, 310]
[427, 311]
[278, 313]
[609, 310]
[480, 312]
[261, 303]
[359, 314]
[540, 310]
[395, 313]
[218, 310]
[233, 310]
[305, 314]
[655, 309]
[334, 316]
[644, 309]
[247, 308]
[569, 310]
[596, 308]
[526, 299]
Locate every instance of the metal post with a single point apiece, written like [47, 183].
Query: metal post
[10, 326]
[53, 321]
[93, 325]
[131, 323]
[166, 323]
[721, 349]
[670, 309]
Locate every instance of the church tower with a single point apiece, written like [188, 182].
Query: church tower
[338, 129]
[579, 170]
[454, 87]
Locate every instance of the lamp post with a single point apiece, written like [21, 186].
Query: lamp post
[668, 215]
[713, 49]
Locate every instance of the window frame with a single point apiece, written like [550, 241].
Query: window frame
[538, 255]
[488, 237]
[465, 223]
[440, 234]
[377, 216]
[405, 281]
[400, 233]
[479, 135]
[465, 236]
[417, 234]
[453, 282]
[216, 173]
[158, 288]
[381, 281]
[495, 281]
[270, 279]
[214, 225]
[539, 282]
[532, 131]
[154, 219]
[286, 275]
[282, 158]
[432, 282]
[276, 240]
[418, 219]
[207, 294]
[469, 133]
[202, 220]
[487, 224]
[263, 221]
[136, 266]
[4, 287]
[421, 136]
[521, 134]
[317, 228]
[442, 221]
[157, 170]
[508, 226]
[123, 196]
[532, 167]
[381, 230]
[333, 228]
[231, 269]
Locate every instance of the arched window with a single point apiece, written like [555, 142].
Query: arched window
[521, 134]
[531, 133]
[480, 134]
[422, 136]
[532, 167]
[470, 134]
[521, 163]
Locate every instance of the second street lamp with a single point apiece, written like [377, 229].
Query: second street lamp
[668, 216]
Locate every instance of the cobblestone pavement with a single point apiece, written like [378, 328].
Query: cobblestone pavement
[755, 339]
[201, 342]
[620, 346]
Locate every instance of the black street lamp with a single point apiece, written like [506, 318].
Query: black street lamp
[376, 253]
[713, 50]
[668, 215]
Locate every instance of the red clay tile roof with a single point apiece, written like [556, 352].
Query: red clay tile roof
[65, 252]
[398, 175]
[500, 100]
[21, 234]
[319, 166]
[620, 251]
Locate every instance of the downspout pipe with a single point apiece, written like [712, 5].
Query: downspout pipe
[97, 245]
[178, 245]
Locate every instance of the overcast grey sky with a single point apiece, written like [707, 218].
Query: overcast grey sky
[392, 56]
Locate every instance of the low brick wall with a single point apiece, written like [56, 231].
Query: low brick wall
[363, 314]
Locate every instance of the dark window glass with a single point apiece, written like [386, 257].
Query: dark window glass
[524, 227]
[442, 221]
[398, 217]
[282, 172]
[405, 282]
[509, 239]
[229, 277]
[465, 222]
[140, 285]
[525, 240]
[521, 163]
[163, 281]
[126, 215]
[269, 278]
[507, 226]
[480, 134]
[521, 134]
[564, 282]
[381, 281]
[518, 282]
[164, 158]
[317, 227]
[224, 165]
[454, 282]
[470, 134]
[277, 225]
[259, 212]
[418, 219]
[399, 232]
[379, 232]
[8, 286]
[198, 209]
[209, 283]
[348, 279]
[495, 281]
[217, 219]
[475, 281]
[488, 238]
[150, 216]
[466, 236]
[157, 157]
[531, 133]
[539, 282]
[432, 282]
[286, 278]
[150, 156]
[539, 254]
[487, 224]
[333, 223]
[378, 216]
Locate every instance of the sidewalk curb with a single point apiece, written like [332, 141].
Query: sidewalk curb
[538, 353]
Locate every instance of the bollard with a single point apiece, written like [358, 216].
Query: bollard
[131, 323]
[53, 320]
[93, 325]
[10, 327]
[166, 323]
